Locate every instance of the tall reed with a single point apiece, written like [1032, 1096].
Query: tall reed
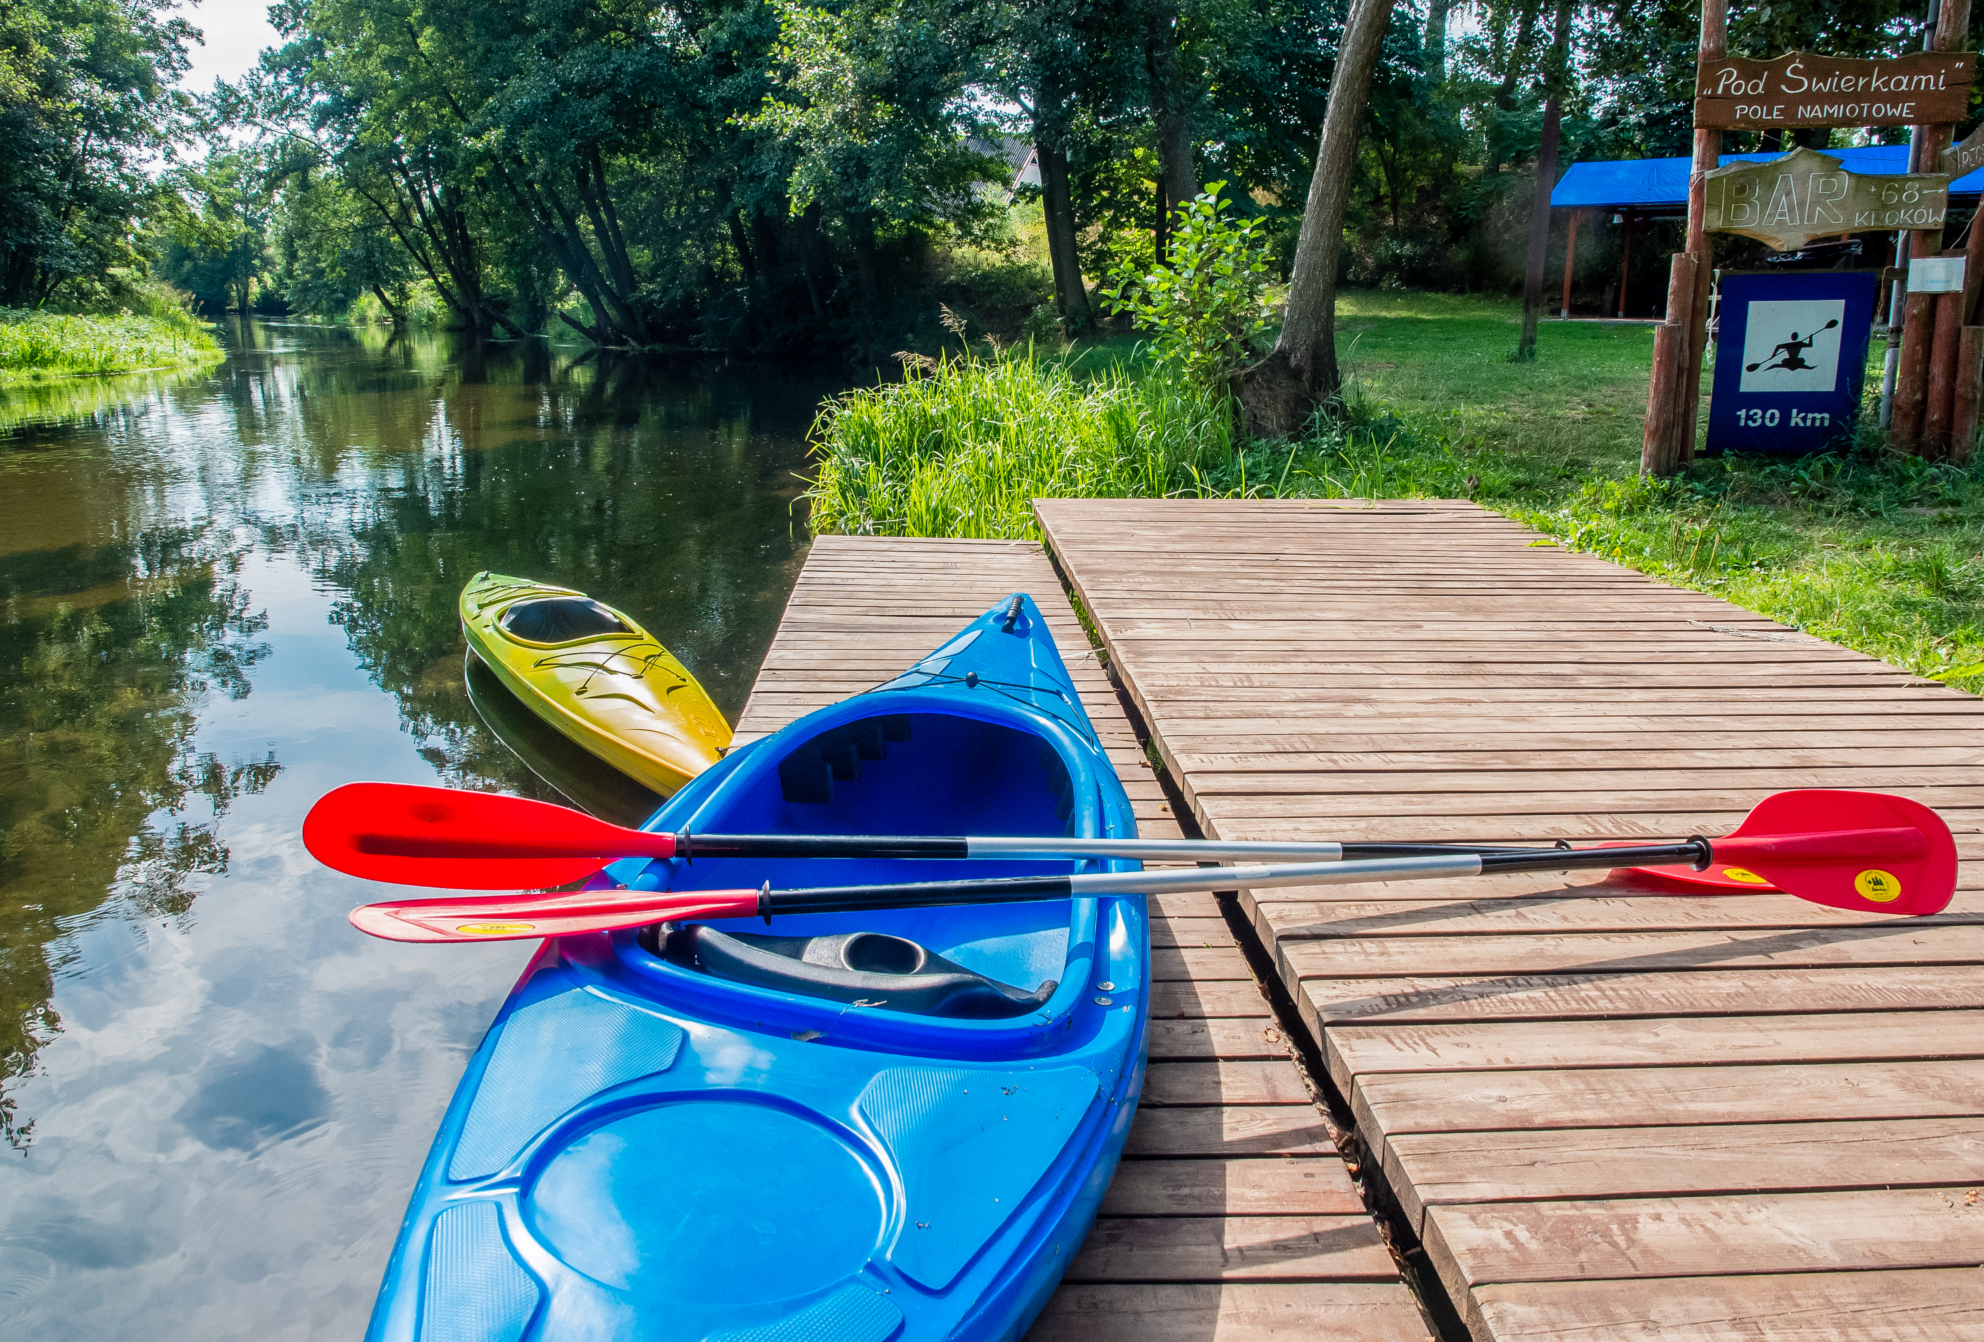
[962, 446]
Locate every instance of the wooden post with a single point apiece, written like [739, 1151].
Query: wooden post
[1939, 410]
[1570, 255]
[1912, 399]
[1969, 392]
[1911, 383]
[1679, 381]
[1708, 157]
[1625, 255]
[1664, 411]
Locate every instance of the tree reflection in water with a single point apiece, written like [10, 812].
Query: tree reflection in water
[103, 661]
[388, 471]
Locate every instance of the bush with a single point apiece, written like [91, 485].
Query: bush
[1204, 304]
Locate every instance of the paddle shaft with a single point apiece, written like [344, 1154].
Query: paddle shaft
[929, 894]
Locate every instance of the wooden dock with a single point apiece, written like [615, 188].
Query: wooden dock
[1605, 1114]
[1233, 1217]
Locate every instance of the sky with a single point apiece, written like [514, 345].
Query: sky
[235, 32]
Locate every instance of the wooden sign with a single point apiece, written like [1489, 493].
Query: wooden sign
[1921, 89]
[1961, 159]
[1786, 202]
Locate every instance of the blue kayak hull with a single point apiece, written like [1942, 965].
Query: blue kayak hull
[655, 1141]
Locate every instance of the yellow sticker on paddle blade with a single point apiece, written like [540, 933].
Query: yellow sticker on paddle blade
[495, 929]
[1877, 885]
[1744, 875]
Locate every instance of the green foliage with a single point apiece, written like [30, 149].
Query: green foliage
[962, 446]
[86, 108]
[46, 344]
[1204, 305]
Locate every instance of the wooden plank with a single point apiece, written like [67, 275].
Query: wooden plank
[1665, 1096]
[1853, 1230]
[1241, 1130]
[1225, 1081]
[1257, 1037]
[1803, 1307]
[1654, 1042]
[1232, 1248]
[1190, 999]
[1572, 996]
[1891, 943]
[1233, 1311]
[1452, 1167]
[1304, 1186]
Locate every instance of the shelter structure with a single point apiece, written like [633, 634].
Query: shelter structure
[1640, 190]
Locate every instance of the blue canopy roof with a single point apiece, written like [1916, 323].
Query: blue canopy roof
[1641, 183]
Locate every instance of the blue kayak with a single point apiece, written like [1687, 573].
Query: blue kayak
[846, 1127]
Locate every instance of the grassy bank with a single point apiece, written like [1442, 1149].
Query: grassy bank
[1877, 551]
[36, 345]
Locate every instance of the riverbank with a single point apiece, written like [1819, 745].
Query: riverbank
[39, 345]
[1877, 551]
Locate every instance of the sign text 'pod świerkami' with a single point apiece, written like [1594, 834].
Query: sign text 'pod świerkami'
[1800, 89]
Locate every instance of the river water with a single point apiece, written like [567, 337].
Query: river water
[221, 599]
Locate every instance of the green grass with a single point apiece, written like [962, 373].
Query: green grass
[36, 345]
[1878, 551]
[964, 446]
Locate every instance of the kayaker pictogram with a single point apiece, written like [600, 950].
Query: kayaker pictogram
[1793, 351]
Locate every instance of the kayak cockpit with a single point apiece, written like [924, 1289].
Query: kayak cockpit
[551, 620]
[930, 765]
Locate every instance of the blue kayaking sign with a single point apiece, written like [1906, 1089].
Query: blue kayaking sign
[1791, 355]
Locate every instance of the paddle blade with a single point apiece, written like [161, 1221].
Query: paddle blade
[513, 918]
[1721, 878]
[464, 840]
[1866, 851]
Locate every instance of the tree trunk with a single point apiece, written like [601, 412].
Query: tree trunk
[1436, 39]
[1171, 112]
[1057, 204]
[1546, 178]
[1281, 391]
[1505, 91]
[398, 314]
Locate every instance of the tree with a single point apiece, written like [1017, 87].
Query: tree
[1282, 391]
[1546, 178]
[86, 104]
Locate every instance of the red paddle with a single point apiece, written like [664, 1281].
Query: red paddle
[458, 840]
[1899, 858]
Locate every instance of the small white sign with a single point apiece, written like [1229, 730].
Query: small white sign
[1935, 275]
[1792, 345]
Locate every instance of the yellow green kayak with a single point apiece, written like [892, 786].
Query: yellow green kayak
[595, 675]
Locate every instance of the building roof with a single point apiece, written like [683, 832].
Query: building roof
[1651, 183]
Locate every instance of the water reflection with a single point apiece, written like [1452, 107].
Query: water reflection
[220, 601]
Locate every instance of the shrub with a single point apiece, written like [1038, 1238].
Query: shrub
[1205, 304]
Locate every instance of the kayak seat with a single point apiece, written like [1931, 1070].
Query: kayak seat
[809, 773]
[560, 619]
[872, 968]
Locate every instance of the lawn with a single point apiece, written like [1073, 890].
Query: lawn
[1881, 552]
[1878, 551]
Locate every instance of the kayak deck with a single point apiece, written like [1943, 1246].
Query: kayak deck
[1232, 1213]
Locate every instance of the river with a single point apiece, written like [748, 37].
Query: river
[223, 597]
